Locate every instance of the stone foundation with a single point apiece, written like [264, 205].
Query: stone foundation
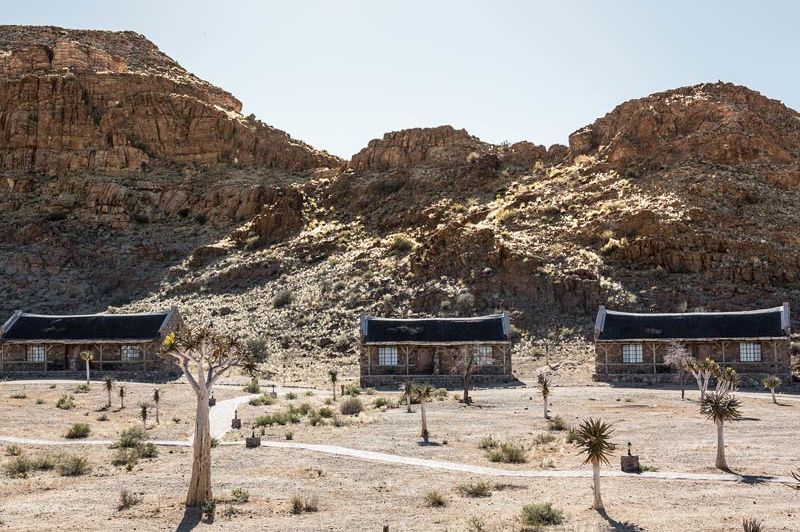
[453, 382]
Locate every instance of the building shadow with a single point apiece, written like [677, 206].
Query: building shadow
[620, 526]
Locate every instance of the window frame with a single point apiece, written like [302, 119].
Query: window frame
[387, 354]
[125, 353]
[750, 352]
[637, 357]
[483, 355]
[33, 352]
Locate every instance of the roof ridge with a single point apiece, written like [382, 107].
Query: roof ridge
[713, 313]
[97, 314]
[473, 318]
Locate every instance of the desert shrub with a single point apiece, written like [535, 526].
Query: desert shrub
[558, 423]
[278, 418]
[127, 499]
[18, 467]
[283, 298]
[126, 456]
[82, 388]
[302, 504]
[440, 394]
[352, 390]
[401, 244]
[40, 401]
[240, 495]
[475, 489]
[46, 462]
[572, 436]
[102, 417]
[214, 443]
[473, 157]
[209, 509]
[13, 450]
[435, 499]
[304, 409]
[351, 406]
[381, 402]
[464, 301]
[325, 412]
[19, 395]
[309, 393]
[338, 422]
[73, 466]
[543, 514]
[644, 467]
[78, 431]
[544, 438]
[65, 402]
[488, 442]
[476, 523]
[289, 435]
[252, 387]
[613, 245]
[147, 450]
[130, 438]
[315, 419]
[507, 452]
[291, 396]
[751, 524]
[264, 399]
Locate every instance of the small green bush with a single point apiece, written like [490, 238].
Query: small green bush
[73, 466]
[18, 467]
[544, 438]
[19, 395]
[309, 393]
[13, 450]
[572, 436]
[147, 450]
[304, 409]
[131, 437]
[352, 390]
[127, 499]
[252, 387]
[488, 442]
[209, 509]
[507, 452]
[78, 431]
[66, 402]
[289, 435]
[102, 417]
[401, 244]
[382, 402]
[351, 406]
[283, 299]
[291, 396]
[538, 515]
[240, 495]
[558, 423]
[475, 489]
[82, 388]
[45, 462]
[325, 412]
[278, 418]
[435, 499]
[302, 504]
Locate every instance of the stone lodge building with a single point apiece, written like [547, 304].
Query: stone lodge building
[42, 344]
[434, 350]
[630, 347]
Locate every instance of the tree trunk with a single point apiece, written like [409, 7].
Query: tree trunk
[200, 484]
[544, 400]
[598, 500]
[144, 423]
[772, 391]
[334, 390]
[721, 462]
[424, 420]
[408, 403]
[682, 380]
[109, 398]
[87, 372]
[466, 389]
[157, 421]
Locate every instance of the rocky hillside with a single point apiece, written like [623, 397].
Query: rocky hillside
[683, 199]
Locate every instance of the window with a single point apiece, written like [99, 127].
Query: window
[387, 356]
[632, 353]
[36, 353]
[131, 353]
[749, 352]
[483, 355]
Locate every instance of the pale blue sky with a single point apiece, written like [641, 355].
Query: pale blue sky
[339, 73]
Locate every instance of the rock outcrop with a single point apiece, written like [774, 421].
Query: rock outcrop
[108, 102]
[713, 122]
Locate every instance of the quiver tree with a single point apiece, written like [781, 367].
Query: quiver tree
[544, 382]
[772, 383]
[720, 407]
[408, 394]
[333, 375]
[87, 357]
[156, 401]
[423, 393]
[465, 365]
[677, 358]
[204, 357]
[109, 384]
[251, 368]
[593, 438]
[143, 414]
[702, 371]
[727, 381]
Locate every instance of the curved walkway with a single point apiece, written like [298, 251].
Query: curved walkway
[222, 413]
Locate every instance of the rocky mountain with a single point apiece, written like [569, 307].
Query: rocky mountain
[130, 183]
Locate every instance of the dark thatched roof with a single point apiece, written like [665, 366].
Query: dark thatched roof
[766, 323]
[494, 328]
[93, 327]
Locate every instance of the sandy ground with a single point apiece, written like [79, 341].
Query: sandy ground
[353, 494]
